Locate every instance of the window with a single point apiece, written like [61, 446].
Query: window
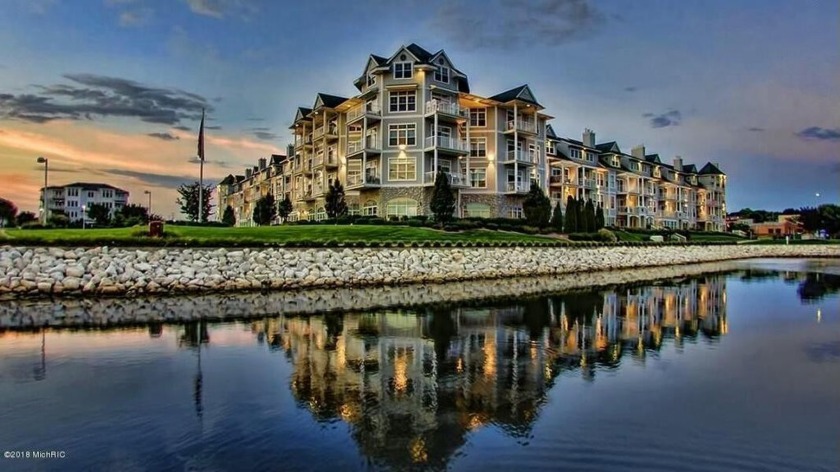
[444, 131]
[477, 210]
[478, 147]
[401, 207]
[478, 178]
[591, 156]
[402, 168]
[574, 153]
[370, 208]
[403, 101]
[549, 147]
[402, 135]
[353, 209]
[402, 70]
[72, 192]
[442, 74]
[371, 80]
[90, 194]
[515, 212]
[478, 117]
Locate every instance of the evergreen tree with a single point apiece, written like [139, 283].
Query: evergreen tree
[335, 205]
[228, 217]
[26, 217]
[557, 217]
[589, 216]
[99, 213]
[599, 218]
[580, 208]
[285, 209]
[443, 200]
[537, 207]
[8, 212]
[265, 210]
[189, 201]
[571, 223]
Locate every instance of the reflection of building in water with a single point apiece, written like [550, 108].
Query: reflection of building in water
[412, 386]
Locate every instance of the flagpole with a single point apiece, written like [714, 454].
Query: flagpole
[201, 170]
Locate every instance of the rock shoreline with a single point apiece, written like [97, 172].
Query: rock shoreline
[111, 312]
[104, 271]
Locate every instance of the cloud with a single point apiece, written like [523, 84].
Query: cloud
[38, 7]
[196, 160]
[96, 95]
[631, 89]
[164, 136]
[516, 22]
[133, 18]
[820, 134]
[157, 180]
[182, 128]
[214, 127]
[265, 135]
[669, 118]
[755, 129]
[221, 8]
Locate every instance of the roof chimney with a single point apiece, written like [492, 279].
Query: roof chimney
[248, 171]
[638, 151]
[262, 163]
[678, 164]
[588, 138]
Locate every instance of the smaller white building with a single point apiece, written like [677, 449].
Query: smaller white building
[74, 199]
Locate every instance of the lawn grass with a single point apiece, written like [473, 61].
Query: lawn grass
[794, 241]
[260, 236]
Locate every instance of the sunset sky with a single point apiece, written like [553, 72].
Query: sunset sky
[112, 90]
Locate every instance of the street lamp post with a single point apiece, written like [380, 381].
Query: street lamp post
[149, 208]
[45, 161]
[84, 210]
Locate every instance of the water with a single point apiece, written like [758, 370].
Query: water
[738, 370]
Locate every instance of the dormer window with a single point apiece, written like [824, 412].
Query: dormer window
[403, 70]
[442, 72]
[371, 80]
[574, 153]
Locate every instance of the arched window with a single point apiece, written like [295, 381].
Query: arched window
[353, 209]
[401, 207]
[320, 214]
[477, 210]
[371, 208]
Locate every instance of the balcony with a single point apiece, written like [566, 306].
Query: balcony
[369, 110]
[330, 161]
[446, 143]
[319, 131]
[586, 183]
[356, 180]
[522, 126]
[445, 108]
[303, 142]
[356, 146]
[455, 180]
[518, 187]
[520, 156]
[558, 180]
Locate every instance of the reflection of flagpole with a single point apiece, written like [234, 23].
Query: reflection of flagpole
[201, 170]
[199, 408]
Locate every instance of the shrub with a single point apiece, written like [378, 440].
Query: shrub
[606, 235]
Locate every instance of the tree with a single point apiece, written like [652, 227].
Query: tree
[26, 217]
[589, 217]
[335, 204]
[537, 207]
[228, 218]
[99, 213]
[188, 201]
[58, 218]
[443, 201]
[133, 214]
[557, 217]
[8, 211]
[285, 208]
[265, 210]
[571, 223]
[599, 218]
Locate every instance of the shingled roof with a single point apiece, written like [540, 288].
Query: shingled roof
[710, 168]
[523, 92]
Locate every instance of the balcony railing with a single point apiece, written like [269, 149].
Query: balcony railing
[455, 179]
[319, 131]
[356, 180]
[447, 142]
[359, 111]
[522, 125]
[518, 187]
[330, 160]
[359, 145]
[588, 183]
[450, 108]
[557, 179]
[519, 156]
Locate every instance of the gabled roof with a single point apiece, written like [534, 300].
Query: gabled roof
[653, 158]
[380, 61]
[690, 168]
[302, 113]
[421, 54]
[327, 100]
[710, 168]
[549, 131]
[523, 92]
[611, 146]
[276, 159]
[227, 180]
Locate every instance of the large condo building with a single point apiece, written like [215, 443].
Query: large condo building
[415, 115]
[73, 199]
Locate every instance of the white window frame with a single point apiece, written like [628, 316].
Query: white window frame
[370, 208]
[398, 169]
[440, 75]
[394, 105]
[478, 117]
[404, 67]
[478, 147]
[574, 153]
[403, 137]
[485, 212]
[409, 205]
[516, 212]
[475, 178]
[371, 79]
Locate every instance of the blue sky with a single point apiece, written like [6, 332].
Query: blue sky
[752, 85]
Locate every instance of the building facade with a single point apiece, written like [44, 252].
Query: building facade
[415, 115]
[74, 199]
